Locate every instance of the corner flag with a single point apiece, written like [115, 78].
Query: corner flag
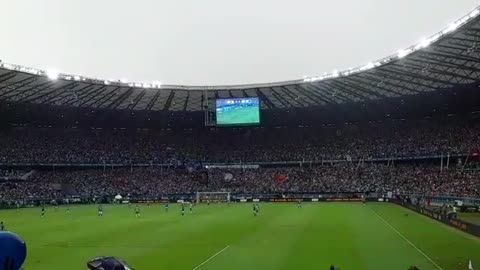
[470, 265]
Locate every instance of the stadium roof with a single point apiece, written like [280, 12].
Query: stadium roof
[448, 59]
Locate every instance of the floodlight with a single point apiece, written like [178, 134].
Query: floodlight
[123, 80]
[370, 65]
[52, 74]
[474, 13]
[424, 43]
[403, 53]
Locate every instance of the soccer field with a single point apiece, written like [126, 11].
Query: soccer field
[219, 237]
[238, 115]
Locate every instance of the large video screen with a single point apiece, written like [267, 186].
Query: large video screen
[238, 111]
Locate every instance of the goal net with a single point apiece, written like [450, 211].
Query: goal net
[205, 197]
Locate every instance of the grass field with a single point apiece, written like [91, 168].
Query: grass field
[238, 115]
[219, 237]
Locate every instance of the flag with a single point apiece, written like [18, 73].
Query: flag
[470, 265]
[281, 177]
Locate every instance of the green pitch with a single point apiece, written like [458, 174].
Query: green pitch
[239, 115]
[376, 236]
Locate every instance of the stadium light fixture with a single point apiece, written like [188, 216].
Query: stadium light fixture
[77, 78]
[369, 65]
[123, 80]
[424, 43]
[450, 28]
[403, 53]
[52, 74]
[156, 84]
[474, 13]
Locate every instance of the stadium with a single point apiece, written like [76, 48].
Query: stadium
[373, 167]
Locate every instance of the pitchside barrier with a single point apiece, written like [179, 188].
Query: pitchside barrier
[277, 198]
[470, 228]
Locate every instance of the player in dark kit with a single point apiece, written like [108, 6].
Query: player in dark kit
[137, 211]
[299, 204]
[2, 227]
[191, 207]
[167, 205]
[43, 211]
[183, 209]
[255, 213]
[100, 210]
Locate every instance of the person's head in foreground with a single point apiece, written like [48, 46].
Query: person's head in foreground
[13, 251]
[107, 263]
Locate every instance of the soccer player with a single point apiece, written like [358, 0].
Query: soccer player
[68, 209]
[43, 211]
[137, 211]
[191, 207]
[255, 210]
[2, 227]
[167, 205]
[100, 210]
[299, 204]
[258, 208]
[183, 209]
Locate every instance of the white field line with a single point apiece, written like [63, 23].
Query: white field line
[213, 256]
[408, 241]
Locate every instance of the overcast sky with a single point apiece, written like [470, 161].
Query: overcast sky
[205, 42]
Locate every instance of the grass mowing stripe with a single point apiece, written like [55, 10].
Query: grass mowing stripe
[406, 239]
[213, 256]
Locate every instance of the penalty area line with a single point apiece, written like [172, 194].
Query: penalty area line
[211, 257]
[406, 239]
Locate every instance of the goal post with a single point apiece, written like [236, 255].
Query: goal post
[216, 196]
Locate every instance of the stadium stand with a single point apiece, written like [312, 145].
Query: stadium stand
[406, 123]
[405, 128]
[422, 179]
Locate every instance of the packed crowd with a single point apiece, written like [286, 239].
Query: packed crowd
[10, 173]
[157, 182]
[374, 140]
